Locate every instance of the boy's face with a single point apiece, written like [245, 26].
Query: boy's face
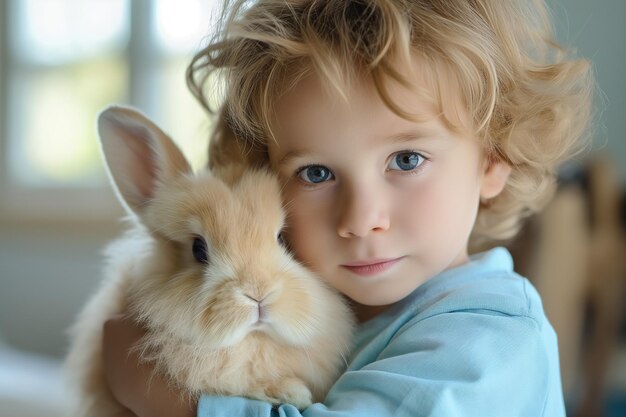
[376, 204]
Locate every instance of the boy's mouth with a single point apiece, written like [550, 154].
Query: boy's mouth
[372, 266]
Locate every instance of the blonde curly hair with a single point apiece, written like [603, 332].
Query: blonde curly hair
[528, 98]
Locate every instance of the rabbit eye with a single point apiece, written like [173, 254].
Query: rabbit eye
[280, 239]
[200, 250]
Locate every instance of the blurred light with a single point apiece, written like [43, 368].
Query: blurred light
[57, 144]
[57, 31]
[69, 60]
[182, 24]
[67, 63]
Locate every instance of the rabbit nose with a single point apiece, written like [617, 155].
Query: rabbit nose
[262, 312]
[256, 300]
[262, 309]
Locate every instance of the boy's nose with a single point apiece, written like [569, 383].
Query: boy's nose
[362, 212]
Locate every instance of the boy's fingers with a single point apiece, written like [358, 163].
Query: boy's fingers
[132, 382]
[123, 331]
[121, 363]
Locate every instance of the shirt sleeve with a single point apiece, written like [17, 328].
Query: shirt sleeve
[464, 363]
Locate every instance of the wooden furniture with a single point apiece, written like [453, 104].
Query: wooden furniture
[574, 251]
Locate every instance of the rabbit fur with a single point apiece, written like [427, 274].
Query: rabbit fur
[200, 253]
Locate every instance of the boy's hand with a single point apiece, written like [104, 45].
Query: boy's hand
[131, 382]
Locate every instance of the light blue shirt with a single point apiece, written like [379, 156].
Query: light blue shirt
[472, 341]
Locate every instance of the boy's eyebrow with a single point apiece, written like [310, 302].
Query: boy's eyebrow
[289, 155]
[401, 137]
[412, 136]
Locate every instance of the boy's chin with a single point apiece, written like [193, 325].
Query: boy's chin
[371, 305]
[365, 312]
[383, 294]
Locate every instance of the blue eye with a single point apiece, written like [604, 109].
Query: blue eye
[315, 174]
[406, 161]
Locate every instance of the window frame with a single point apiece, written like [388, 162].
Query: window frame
[74, 205]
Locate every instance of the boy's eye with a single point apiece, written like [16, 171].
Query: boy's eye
[405, 161]
[315, 174]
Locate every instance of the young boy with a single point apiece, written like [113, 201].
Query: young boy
[407, 135]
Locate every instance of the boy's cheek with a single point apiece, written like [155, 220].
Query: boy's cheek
[302, 229]
[436, 208]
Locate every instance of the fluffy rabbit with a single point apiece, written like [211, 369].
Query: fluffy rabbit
[226, 308]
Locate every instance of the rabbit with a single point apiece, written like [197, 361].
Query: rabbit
[227, 309]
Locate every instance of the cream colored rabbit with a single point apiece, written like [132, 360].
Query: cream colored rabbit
[227, 308]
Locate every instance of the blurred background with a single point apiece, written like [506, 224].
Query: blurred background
[62, 61]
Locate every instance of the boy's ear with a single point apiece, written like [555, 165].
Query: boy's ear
[494, 179]
[138, 155]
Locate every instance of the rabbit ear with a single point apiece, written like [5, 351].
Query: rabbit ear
[138, 154]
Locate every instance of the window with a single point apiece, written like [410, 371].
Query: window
[62, 61]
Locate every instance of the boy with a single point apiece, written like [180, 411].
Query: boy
[407, 135]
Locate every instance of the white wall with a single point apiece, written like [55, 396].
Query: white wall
[46, 274]
[598, 31]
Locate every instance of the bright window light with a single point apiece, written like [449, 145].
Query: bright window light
[182, 24]
[69, 59]
[57, 31]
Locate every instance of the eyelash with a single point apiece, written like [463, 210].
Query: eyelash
[414, 171]
[309, 184]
